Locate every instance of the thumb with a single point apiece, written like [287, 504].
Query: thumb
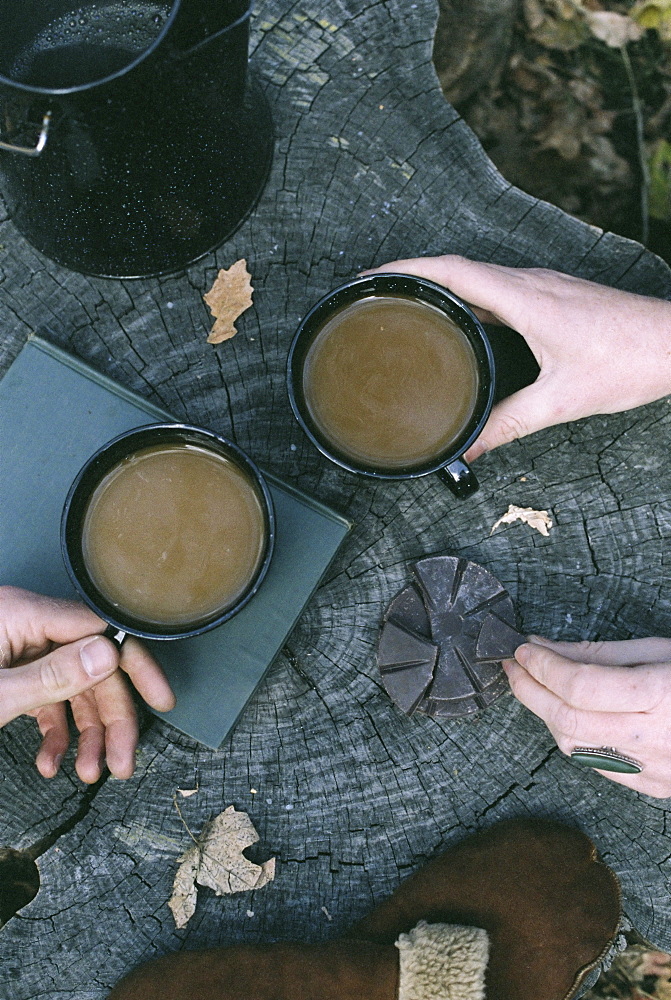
[522, 413]
[61, 674]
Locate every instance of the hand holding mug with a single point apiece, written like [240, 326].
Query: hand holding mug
[600, 350]
[53, 654]
[392, 377]
[598, 695]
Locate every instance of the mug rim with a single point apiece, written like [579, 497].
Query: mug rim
[71, 543]
[366, 284]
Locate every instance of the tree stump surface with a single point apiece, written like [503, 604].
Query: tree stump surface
[347, 793]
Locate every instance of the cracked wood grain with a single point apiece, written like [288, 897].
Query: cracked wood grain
[346, 792]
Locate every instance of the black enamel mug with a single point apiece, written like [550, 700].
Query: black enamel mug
[449, 464]
[131, 139]
[77, 504]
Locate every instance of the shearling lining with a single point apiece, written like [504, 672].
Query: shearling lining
[442, 962]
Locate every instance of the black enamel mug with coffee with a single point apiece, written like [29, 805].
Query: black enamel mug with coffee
[167, 531]
[392, 377]
[131, 139]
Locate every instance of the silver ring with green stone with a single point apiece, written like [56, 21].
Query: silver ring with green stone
[606, 759]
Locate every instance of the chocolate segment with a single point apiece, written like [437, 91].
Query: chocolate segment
[443, 637]
[407, 663]
[497, 640]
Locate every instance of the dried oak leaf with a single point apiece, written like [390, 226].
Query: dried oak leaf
[228, 298]
[216, 861]
[538, 519]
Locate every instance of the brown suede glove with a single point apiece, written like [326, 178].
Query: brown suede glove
[550, 908]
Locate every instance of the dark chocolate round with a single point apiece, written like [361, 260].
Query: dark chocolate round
[443, 638]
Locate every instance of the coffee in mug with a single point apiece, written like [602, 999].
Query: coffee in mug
[390, 381]
[173, 533]
[168, 530]
[392, 377]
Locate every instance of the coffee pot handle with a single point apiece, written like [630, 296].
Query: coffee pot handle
[31, 150]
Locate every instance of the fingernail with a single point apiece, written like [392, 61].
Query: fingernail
[522, 654]
[98, 657]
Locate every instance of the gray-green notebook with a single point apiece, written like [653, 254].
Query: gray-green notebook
[54, 412]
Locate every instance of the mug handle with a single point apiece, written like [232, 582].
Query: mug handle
[115, 635]
[459, 478]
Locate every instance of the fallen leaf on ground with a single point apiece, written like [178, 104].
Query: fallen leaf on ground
[612, 28]
[533, 13]
[538, 519]
[654, 14]
[184, 892]
[229, 297]
[216, 861]
[187, 792]
[557, 24]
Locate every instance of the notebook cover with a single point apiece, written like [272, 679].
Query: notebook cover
[55, 410]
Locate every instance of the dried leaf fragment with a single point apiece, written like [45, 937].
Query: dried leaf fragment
[654, 14]
[558, 24]
[216, 860]
[612, 28]
[229, 297]
[533, 13]
[184, 892]
[538, 519]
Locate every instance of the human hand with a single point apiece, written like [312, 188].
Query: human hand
[55, 655]
[600, 350]
[603, 694]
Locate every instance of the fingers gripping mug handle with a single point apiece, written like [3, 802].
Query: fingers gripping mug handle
[459, 478]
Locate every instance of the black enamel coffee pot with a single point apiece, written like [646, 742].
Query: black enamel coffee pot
[131, 139]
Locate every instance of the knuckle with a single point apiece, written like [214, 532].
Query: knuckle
[455, 258]
[513, 681]
[566, 723]
[578, 685]
[54, 677]
[511, 426]
[585, 647]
